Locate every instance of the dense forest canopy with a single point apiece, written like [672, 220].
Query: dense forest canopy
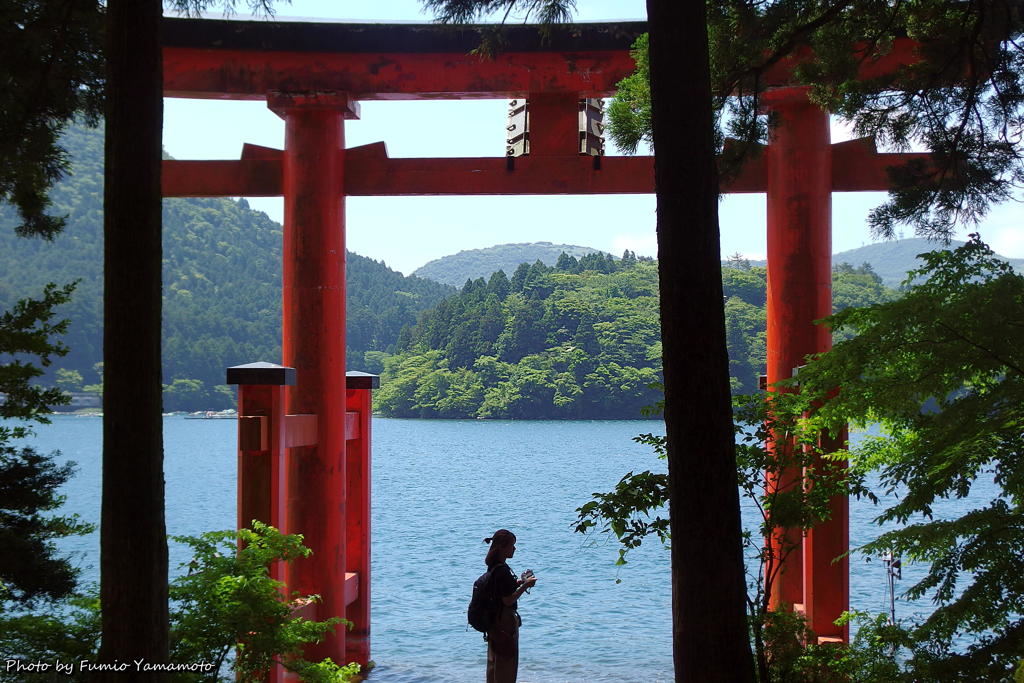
[577, 340]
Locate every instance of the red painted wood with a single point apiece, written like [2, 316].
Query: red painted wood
[827, 584]
[353, 426]
[858, 167]
[277, 429]
[554, 124]
[250, 74]
[903, 51]
[799, 169]
[259, 178]
[357, 527]
[252, 433]
[351, 591]
[313, 342]
[799, 281]
[263, 470]
[301, 430]
[379, 176]
[253, 486]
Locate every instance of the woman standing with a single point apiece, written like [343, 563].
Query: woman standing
[503, 637]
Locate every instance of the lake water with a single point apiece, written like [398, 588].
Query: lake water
[440, 487]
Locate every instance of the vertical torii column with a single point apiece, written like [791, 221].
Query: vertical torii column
[313, 339]
[799, 178]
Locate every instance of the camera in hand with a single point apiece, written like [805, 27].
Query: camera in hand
[524, 576]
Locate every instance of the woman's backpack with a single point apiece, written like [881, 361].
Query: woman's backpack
[484, 605]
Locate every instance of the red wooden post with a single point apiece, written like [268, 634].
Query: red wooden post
[799, 188]
[313, 340]
[262, 448]
[827, 584]
[263, 454]
[357, 525]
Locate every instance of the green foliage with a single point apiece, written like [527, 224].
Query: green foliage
[467, 11]
[962, 101]
[69, 635]
[857, 287]
[68, 380]
[325, 671]
[52, 71]
[226, 603]
[941, 370]
[30, 569]
[26, 331]
[191, 395]
[627, 510]
[579, 340]
[796, 657]
[228, 600]
[629, 112]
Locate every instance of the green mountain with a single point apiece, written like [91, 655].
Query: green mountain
[222, 284]
[455, 269]
[580, 340]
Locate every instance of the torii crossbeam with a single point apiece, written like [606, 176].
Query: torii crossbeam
[314, 75]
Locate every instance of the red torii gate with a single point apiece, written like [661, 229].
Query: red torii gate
[313, 76]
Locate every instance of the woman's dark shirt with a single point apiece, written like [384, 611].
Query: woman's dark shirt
[504, 582]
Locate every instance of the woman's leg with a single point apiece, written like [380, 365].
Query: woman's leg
[503, 649]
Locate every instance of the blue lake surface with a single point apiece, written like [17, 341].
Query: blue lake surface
[440, 487]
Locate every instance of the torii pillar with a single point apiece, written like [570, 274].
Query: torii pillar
[313, 334]
[799, 193]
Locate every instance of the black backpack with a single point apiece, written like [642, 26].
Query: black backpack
[484, 605]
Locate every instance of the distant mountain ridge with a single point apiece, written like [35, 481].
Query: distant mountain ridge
[471, 264]
[892, 260]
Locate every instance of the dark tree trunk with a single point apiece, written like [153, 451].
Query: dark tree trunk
[710, 641]
[133, 558]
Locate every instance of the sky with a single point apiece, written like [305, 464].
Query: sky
[407, 232]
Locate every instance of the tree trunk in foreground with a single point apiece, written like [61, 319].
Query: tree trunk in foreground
[133, 542]
[709, 633]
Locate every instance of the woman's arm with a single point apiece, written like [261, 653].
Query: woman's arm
[511, 598]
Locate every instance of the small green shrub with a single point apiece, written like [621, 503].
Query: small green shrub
[228, 601]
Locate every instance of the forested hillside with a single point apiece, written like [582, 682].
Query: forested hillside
[470, 264]
[222, 279]
[578, 340]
